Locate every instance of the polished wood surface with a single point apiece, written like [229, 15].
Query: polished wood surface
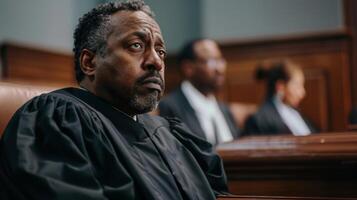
[35, 65]
[316, 165]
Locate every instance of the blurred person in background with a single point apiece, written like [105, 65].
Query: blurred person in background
[284, 91]
[194, 102]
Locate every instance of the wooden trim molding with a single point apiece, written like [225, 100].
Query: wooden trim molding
[350, 18]
[33, 64]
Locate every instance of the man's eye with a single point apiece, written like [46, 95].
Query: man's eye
[161, 53]
[136, 46]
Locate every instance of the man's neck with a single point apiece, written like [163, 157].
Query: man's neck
[116, 107]
[204, 91]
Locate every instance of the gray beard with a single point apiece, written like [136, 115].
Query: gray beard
[144, 104]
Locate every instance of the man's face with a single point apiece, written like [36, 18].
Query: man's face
[131, 73]
[209, 66]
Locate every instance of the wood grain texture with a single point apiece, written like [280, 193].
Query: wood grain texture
[36, 65]
[315, 165]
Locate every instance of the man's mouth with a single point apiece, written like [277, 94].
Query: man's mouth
[153, 83]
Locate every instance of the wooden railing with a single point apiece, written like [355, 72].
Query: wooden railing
[321, 165]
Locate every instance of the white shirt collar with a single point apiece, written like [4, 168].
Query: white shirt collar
[197, 99]
[207, 109]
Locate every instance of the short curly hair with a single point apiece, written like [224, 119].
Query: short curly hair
[93, 28]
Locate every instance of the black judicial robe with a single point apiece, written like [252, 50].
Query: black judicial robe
[267, 121]
[69, 144]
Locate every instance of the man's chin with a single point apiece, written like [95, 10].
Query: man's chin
[146, 103]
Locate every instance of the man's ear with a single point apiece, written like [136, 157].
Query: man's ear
[88, 66]
[187, 68]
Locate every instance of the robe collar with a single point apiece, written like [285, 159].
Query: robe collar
[133, 131]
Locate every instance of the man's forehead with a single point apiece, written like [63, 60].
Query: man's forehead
[205, 48]
[134, 20]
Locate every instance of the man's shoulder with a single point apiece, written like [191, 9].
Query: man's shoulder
[62, 93]
[51, 110]
[57, 98]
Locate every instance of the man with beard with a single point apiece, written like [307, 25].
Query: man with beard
[203, 68]
[94, 142]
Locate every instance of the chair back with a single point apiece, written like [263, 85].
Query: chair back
[13, 96]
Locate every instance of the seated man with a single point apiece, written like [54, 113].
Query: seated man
[95, 142]
[203, 68]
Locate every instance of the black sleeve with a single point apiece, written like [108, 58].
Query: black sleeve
[209, 161]
[43, 154]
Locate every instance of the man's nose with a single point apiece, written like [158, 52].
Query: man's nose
[153, 61]
[221, 66]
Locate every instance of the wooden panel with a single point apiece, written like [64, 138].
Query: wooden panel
[36, 65]
[241, 85]
[315, 165]
[315, 104]
[350, 7]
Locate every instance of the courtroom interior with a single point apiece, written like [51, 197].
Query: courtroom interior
[320, 36]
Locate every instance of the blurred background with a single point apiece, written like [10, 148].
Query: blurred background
[50, 23]
[320, 35]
